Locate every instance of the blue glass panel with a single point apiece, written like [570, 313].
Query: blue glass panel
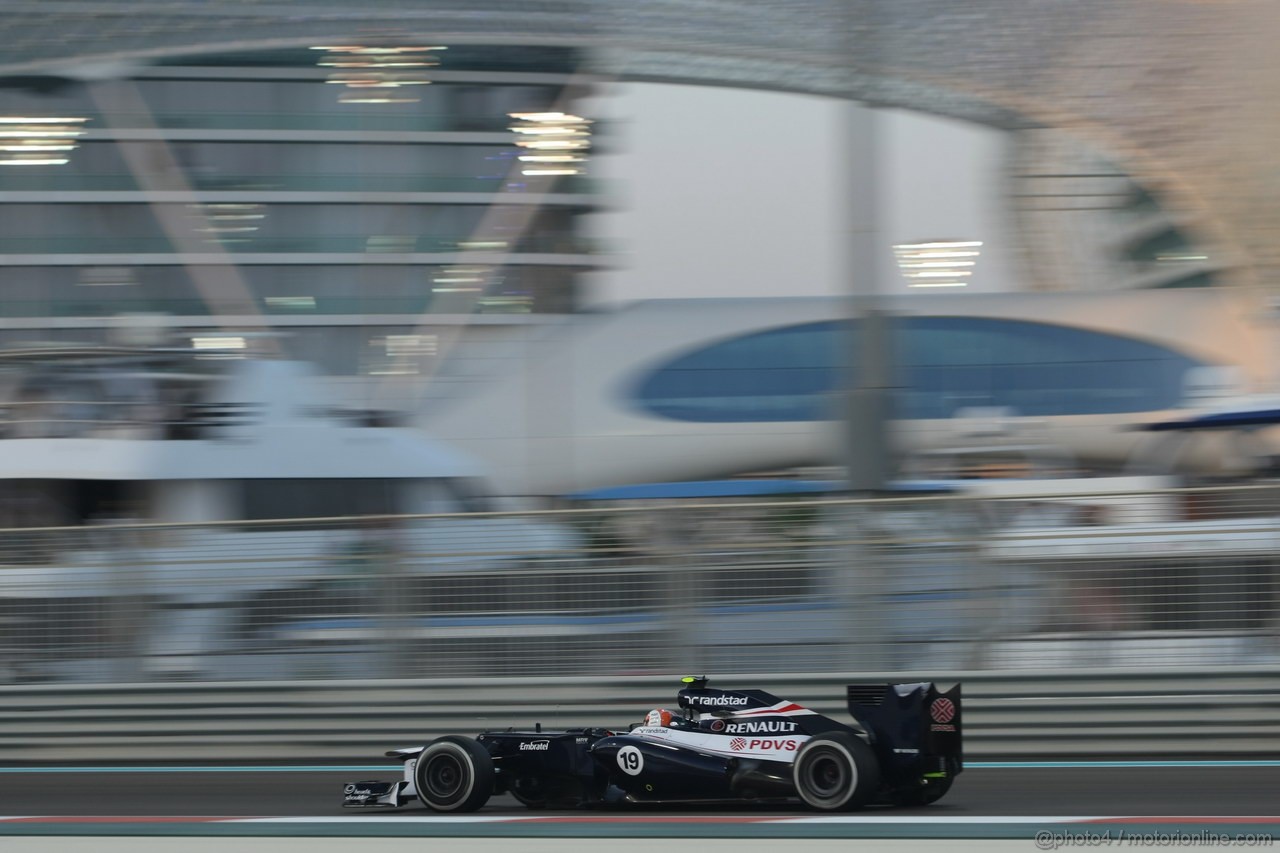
[795, 373]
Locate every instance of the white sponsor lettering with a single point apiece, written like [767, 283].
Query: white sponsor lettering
[775, 749]
[761, 727]
[773, 744]
[538, 745]
[719, 701]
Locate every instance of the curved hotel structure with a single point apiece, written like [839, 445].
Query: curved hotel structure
[688, 389]
[339, 186]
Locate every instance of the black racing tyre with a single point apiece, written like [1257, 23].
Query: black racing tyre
[454, 774]
[836, 770]
[930, 793]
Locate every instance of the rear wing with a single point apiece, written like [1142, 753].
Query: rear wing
[909, 719]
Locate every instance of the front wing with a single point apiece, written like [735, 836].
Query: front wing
[376, 795]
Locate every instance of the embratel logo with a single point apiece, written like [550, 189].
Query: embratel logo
[738, 744]
[538, 745]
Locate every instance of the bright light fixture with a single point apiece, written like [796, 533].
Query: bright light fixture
[554, 118]
[947, 244]
[565, 171]
[35, 161]
[554, 144]
[221, 342]
[937, 263]
[550, 158]
[377, 67]
[23, 136]
[551, 131]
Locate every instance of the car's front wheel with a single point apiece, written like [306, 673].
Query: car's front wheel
[454, 774]
[834, 771]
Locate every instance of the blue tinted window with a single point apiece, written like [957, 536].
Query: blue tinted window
[943, 364]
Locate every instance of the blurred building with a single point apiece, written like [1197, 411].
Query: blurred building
[1169, 90]
[690, 389]
[355, 204]
[343, 186]
[1087, 223]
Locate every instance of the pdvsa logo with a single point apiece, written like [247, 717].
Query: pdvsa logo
[775, 744]
[764, 744]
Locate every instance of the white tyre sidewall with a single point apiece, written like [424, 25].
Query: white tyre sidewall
[420, 774]
[853, 777]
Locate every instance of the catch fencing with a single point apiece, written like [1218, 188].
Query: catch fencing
[976, 580]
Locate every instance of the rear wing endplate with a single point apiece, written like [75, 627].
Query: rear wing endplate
[907, 718]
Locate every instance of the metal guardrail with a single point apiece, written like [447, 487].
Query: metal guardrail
[1182, 712]
[1034, 582]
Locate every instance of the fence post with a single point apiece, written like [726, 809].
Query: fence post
[680, 592]
[394, 608]
[859, 583]
[127, 587]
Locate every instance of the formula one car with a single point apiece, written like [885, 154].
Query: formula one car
[724, 746]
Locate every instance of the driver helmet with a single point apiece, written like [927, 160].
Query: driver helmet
[659, 717]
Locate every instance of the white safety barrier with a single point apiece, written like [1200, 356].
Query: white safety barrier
[1098, 713]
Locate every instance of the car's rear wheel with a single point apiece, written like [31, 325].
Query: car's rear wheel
[454, 774]
[834, 771]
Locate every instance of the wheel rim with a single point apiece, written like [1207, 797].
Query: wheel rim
[444, 776]
[828, 777]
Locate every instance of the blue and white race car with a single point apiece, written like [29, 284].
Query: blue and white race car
[904, 748]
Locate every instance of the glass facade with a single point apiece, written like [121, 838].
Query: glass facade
[324, 207]
[298, 290]
[943, 364]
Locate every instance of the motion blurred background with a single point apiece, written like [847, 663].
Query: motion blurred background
[434, 342]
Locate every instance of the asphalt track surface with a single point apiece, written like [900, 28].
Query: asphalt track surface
[979, 792]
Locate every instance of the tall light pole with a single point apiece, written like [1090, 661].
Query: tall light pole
[869, 452]
[861, 572]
